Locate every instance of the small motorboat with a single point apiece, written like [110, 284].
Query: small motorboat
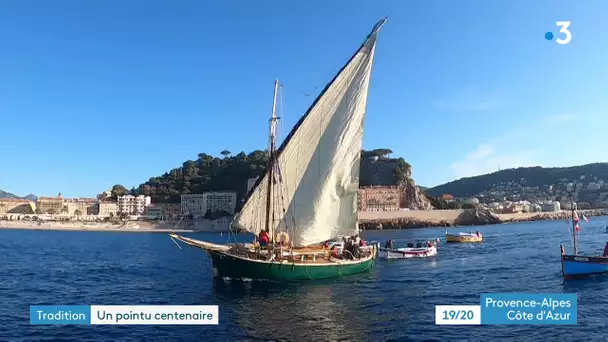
[423, 249]
[464, 237]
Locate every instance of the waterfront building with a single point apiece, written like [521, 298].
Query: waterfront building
[193, 204]
[171, 210]
[220, 201]
[551, 206]
[107, 209]
[447, 197]
[514, 208]
[50, 205]
[16, 206]
[133, 205]
[79, 206]
[154, 211]
[201, 204]
[379, 198]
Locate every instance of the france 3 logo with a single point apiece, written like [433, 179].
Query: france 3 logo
[563, 25]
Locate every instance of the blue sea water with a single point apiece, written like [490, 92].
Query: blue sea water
[394, 302]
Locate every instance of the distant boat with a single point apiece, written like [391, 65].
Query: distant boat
[576, 265]
[464, 237]
[421, 251]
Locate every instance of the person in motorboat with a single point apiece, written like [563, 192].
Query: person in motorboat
[477, 233]
[429, 244]
[606, 250]
[410, 244]
[389, 244]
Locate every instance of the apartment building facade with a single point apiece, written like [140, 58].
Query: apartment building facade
[80, 206]
[107, 209]
[201, 204]
[221, 201]
[133, 205]
[193, 204]
[50, 205]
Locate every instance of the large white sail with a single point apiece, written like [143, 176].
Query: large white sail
[317, 168]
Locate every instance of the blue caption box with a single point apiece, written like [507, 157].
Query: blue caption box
[60, 314]
[528, 308]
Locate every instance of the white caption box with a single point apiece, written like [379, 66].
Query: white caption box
[155, 314]
[457, 314]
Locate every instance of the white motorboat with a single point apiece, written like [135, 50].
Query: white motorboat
[427, 250]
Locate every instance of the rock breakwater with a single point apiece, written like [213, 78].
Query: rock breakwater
[467, 217]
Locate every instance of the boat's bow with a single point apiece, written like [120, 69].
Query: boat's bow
[201, 244]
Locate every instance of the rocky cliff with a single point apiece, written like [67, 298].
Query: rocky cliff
[378, 169]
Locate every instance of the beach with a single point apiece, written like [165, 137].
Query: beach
[136, 226]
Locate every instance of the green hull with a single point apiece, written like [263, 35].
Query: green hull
[225, 265]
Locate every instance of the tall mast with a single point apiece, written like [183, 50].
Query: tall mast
[574, 223]
[271, 160]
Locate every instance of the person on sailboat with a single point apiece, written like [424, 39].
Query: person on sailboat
[263, 238]
[606, 250]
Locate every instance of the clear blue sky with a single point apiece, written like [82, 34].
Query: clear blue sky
[94, 93]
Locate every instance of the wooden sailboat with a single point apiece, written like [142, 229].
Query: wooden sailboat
[576, 265]
[308, 194]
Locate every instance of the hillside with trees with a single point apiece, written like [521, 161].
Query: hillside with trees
[532, 183]
[231, 172]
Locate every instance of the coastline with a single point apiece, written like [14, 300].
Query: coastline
[131, 227]
[368, 220]
[447, 218]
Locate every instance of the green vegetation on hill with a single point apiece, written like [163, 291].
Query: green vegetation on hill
[207, 173]
[536, 181]
[230, 173]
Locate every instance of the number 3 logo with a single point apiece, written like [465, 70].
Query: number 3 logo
[564, 29]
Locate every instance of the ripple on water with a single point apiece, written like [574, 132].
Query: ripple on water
[395, 301]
